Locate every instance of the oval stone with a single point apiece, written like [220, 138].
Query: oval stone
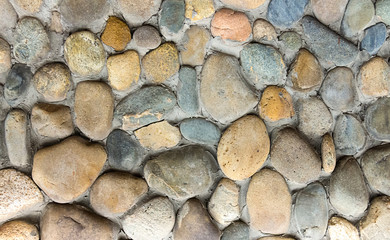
[138, 11]
[231, 25]
[284, 13]
[157, 136]
[263, 31]
[375, 226]
[243, 148]
[172, 16]
[17, 83]
[81, 13]
[374, 78]
[199, 9]
[123, 70]
[357, 16]
[236, 231]
[147, 37]
[116, 34]
[187, 91]
[328, 11]
[376, 120]
[8, 17]
[382, 8]
[14, 230]
[194, 49]
[276, 104]
[328, 153]
[5, 57]
[374, 37]
[291, 40]
[200, 131]
[244, 4]
[349, 135]
[340, 229]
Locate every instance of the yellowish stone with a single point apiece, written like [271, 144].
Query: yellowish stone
[123, 70]
[276, 104]
[244, 4]
[306, 73]
[158, 135]
[328, 153]
[341, 229]
[199, 9]
[18, 230]
[374, 78]
[116, 34]
[195, 47]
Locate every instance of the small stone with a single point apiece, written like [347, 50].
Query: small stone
[114, 193]
[4, 107]
[285, 13]
[31, 40]
[30, 6]
[311, 212]
[16, 138]
[243, 148]
[262, 65]
[348, 192]
[84, 53]
[382, 8]
[244, 4]
[223, 92]
[147, 37]
[55, 24]
[374, 37]
[236, 231]
[138, 11]
[328, 11]
[17, 83]
[291, 40]
[194, 49]
[181, 173]
[375, 226]
[81, 13]
[306, 73]
[338, 89]
[75, 222]
[157, 136]
[145, 106]
[93, 108]
[276, 104]
[376, 121]
[200, 131]
[124, 152]
[374, 78]
[231, 25]
[123, 70]
[263, 30]
[78, 163]
[116, 34]
[172, 16]
[326, 44]
[223, 205]
[17, 229]
[314, 118]
[295, 158]
[52, 121]
[199, 9]
[328, 153]
[152, 220]
[357, 16]
[161, 63]
[273, 214]
[187, 91]
[194, 223]
[18, 194]
[53, 81]
[5, 56]
[8, 16]
[349, 135]
[341, 229]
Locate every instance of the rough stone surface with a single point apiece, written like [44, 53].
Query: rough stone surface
[152, 220]
[194, 49]
[231, 25]
[8, 15]
[187, 91]
[382, 8]
[116, 34]
[340, 229]
[375, 226]
[16, 135]
[328, 153]
[376, 120]
[199, 9]
[4, 106]
[15, 230]
[30, 6]
[244, 4]
[374, 37]
[66, 170]
[18, 194]
[328, 11]
[82, 13]
[236, 231]
[147, 37]
[374, 78]
[357, 16]
[291, 40]
[285, 13]
[272, 215]
[221, 75]
[172, 16]
[276, 104]
[5, 56]
[263, 30]
[293, 157]
[181, 173]
[123, 70]
[55, 22]
[243, 148]
[157, 136]
[200, 131]
[17, 83]
[138, 11]
[348, 192]
[276, 238]
[349, 135]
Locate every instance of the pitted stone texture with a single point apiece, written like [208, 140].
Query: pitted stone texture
[123, 70]
[15, 230]
[55, 22]
[349, 135]
[328, 11]
[147, 37]
[382, 8]
[194, 49]
[116, 34]
[199, 9]
[374, 37]
[291, 40]
[357, 16]
[244, 4]
[328, 153]
[285, 13]
[8, 16]
[263, 30]
[200, 131]
[66, 170]
[231, 25]
[81, 13]
[157, 136]
[187, 91]
[340, 229]
[276, 104]
[376, 120]
[138, 11]
[5, 56]
[236, 231]
[243, 148]
[17, 83]
[375, 226]
[30, 6]
[172, 16]
[374, 78]
[222, 90]
[18, 194]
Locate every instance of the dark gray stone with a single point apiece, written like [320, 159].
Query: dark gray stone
[201, 131]
[374, 37]
[187, 92]
[236, 231]
[4, 107]
[284, 13]
[349, 135]
[172, 15]
[377, 119]
[17, 82]
[82, 13]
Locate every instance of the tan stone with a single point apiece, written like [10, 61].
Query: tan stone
[199, 9]
[31, 6]
[231, 25]
[244, 4]
[116, 192]
[263, 30]
[328, 153]
[243, 148]
[18, 193]
[269, 202]
[194, 49]
[16, 138]
[334, 10]
[341, 229]
[66, 170]
[306, 73]
[276, 238]
[376, 225]
[94, 109]
[50, 120]
[158, 135]
[123, 70]
[18, 230]
[138, 11]
[116, 34]
[374, 78]
[55, 23]
[161, 63]
[276, 104]
[5, 56]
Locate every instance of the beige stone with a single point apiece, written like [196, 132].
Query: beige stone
[55, 23]
[116, 34]
[5, 56]
[374, 78]
[30, 6]
[328, 153]
[276, 238]
[340, 229]
[244, 4]
[16, 138]
[194, 49]
[18, 230]
[199, 9]
[138, 11]
[306, 73]
[376, 225]
[66, 170]
[263, 30]
[276, 104]
[334, 10]
[123, 70]
[243, 148]
[231, 25]
[158, 135]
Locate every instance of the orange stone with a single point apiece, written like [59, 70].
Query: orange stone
[276, 104]
[116, 34]
[231, 25]
[306, 72]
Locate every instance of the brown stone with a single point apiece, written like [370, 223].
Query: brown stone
[66, 170]
[16, 138]
[263, 30]
[244, 4]
[116, 34]
[5, 56]
[231, 25]
[194, 49]
[374, 78]
[276, 104]
[375, 226]
[30, 6]
[328, 153]
[18, 230]
[243, 148]
[340, 229]
[199, 9]
[55, 23]
[123, 70]
[328, 11]
[158, 135]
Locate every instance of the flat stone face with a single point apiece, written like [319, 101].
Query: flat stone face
[19, 230]
[181, 173]
[199, 9]
[276, 238]
[116, 34]
[276, 104]
[334, 10]
[374, 78]
[187, 91]
[357, 16]
[328, 153]
[285, 13]
[349, 135]
[236, 231]
[263, 31]
[172, 16]
[124, 70]
[340, 229]
[30, 6]
[138, 11]
[16, 138]
[269, 202]
[376, 121]
[16, 84]
[291, 40]
[81, 13]
[74, 222]
[222, 90]
[157, 136]
[194, 49]
[55, 24]
[374, 37]
[382, 8]
[5, 56]
[243, 148]
[66, 170]
[18, 194]
[375, 226]
[200, 131]
[147, 37]
[244, 4]
[152, 220]
[348, 192]
[231, 25]
[8, 15]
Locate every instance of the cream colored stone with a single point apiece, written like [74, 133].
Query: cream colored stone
[374, 78]
[199, 9]
[276, 104]
[55, 24]
[244, 4]
[16, 138]
[376, 225]
[30, 6]
[263, 30]
[123, 70]
[158, 135]
[341, 229]
[5, 56]
[194, 49]
[328, 153]
[18, 230]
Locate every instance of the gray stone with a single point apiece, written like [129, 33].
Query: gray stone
[201, 131]
[138, 11]
[375, 226]
[311, 212]
[357, 16]
[349, 135]
[328, 11]
[374, 37]
[348, 192]
[383, 10]
[326, 44]
[81, 13]
[4, 106]
[284, 13]
[8, 16]
[5, 56]
[147, 37]
[291, 40]
[181, 173]
[236, 231]
[187, 91]
[376, 120]
[172, 15]
[17, 83]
